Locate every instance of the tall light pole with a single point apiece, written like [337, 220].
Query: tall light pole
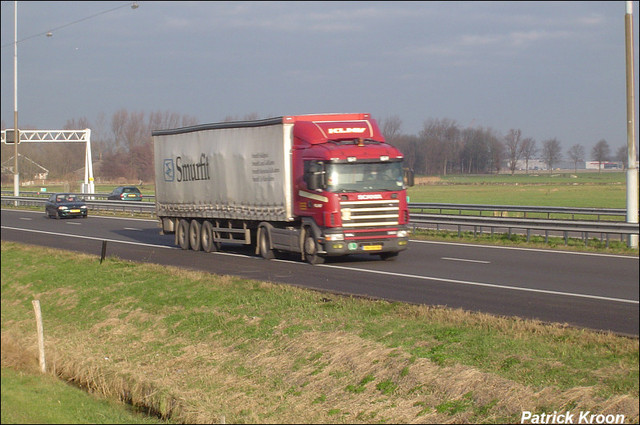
[632, 170]
[16, 132]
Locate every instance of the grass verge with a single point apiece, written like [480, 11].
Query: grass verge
[196, 347]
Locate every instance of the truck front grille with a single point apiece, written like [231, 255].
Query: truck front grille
[370, 213]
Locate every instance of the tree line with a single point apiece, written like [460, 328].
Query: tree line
[122, 148]
[444, 147]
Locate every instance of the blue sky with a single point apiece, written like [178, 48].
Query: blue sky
[551, 69]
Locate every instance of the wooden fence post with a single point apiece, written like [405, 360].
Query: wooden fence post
[36, 307]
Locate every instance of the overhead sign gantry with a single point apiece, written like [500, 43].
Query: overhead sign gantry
[59, 136]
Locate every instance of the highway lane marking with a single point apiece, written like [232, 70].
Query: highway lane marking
[26, 218]
[439, 279]
[466, 260]
[486, 285]
[517, 248]
[133, 228]
[90, 238]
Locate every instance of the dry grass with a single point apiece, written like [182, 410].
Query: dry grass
[299, 380]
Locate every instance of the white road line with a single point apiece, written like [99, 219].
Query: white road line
[466, 260]
[518, 248]
[487, 285]
[90, 238]
[133, 228]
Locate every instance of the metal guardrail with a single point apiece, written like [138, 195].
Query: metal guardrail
[492, 209]
[475, 220]
[44, 195]
[429, 220]
[102, 205]
[539, 226]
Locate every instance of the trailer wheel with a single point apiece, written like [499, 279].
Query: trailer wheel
[265, 244]
[206, 237]
[311, 249]
[194, 235]
[182, 233]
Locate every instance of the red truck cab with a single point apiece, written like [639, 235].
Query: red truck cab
[349, 187]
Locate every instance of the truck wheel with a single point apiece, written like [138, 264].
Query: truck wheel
[194, 235]
[311, 249]
[206, 237]
[183, 234]
[265, 245]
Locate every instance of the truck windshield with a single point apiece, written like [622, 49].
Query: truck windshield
[364, 177]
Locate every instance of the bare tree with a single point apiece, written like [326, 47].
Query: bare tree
[409, 146]
[622, 155]
[513, 147]
[79, 124]
[551, 152]
[529, 150]
[480, 149]
[576, 153]
[600, 152]
[442, 142]
[390, 127]
[118, 124]
[136, 131]
[496, 149]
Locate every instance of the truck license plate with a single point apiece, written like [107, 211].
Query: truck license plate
[372, 247]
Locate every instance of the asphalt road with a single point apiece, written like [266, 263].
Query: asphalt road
[584, 290]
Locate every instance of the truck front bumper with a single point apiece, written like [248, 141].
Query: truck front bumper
[333, 247]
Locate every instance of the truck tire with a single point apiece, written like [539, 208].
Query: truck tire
[206, 237]
[194, 235]
[311, 249]
[264, 244]
[182, 234]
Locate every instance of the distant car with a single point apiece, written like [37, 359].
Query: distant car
[125, 193]
[61, 205]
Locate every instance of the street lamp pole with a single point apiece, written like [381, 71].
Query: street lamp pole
[16, 132]
[632, 169]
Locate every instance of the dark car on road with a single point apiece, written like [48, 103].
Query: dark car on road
[61, 205]
[125, 193]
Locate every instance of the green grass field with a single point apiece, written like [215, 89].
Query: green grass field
[32, 398]
[197, 347]
[604, 190]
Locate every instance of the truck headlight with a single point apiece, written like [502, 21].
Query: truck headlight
[402, 233]
[334, 237]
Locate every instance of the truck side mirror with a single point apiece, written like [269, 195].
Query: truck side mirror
[409, 178]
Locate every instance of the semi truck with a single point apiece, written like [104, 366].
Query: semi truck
[317, 186]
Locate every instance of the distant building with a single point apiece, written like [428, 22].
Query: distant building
[606, 165]
[534, 165]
